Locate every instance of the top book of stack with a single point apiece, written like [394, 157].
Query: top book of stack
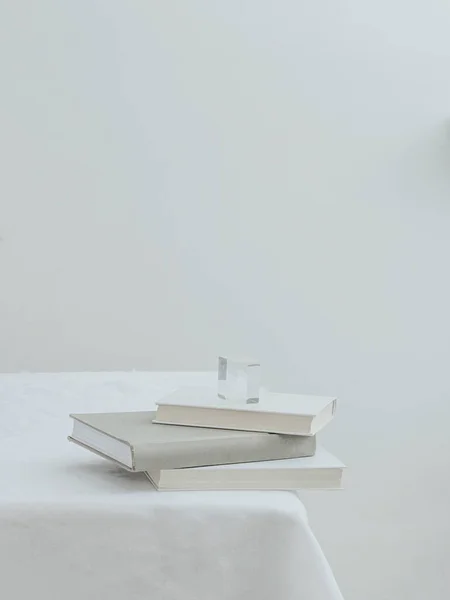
[288, 414]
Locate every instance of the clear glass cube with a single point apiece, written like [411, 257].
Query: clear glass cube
[239, 380]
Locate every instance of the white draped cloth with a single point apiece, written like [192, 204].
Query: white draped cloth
[74, 526]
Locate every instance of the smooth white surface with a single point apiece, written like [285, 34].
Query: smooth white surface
[72, 525]
[182, 179]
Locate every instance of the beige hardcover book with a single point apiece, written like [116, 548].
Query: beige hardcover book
[323, 471]
[288, 414]
[136, 443]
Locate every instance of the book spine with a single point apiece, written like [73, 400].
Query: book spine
[221, 452]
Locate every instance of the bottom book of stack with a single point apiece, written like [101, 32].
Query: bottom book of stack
[321, 471]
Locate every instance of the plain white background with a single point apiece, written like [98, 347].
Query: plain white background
[182, 178]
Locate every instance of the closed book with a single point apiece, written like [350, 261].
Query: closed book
[132, 440]
[288, 414]
[321, 471]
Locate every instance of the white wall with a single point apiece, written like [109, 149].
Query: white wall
[183, 177]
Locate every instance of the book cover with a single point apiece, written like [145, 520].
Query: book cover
[288, 414]
[135, 442]
[321, 471]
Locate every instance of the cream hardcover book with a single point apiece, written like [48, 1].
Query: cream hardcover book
[134, 441]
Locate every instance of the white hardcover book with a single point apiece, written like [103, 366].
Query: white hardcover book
[288, 414]
[321, 471]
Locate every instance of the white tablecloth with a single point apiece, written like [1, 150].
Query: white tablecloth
[73, 526]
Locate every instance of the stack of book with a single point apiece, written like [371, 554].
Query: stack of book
[196, 441]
